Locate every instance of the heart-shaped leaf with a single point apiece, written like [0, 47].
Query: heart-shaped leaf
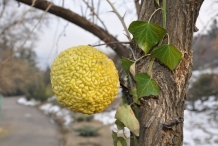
[114, 136]
[126, 115]
[119, 124]
[121, 141]
[146, 34]
[126, 63]
[135, 95]
[145, 85]
[167, 54]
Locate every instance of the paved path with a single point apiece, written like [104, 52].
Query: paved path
[26, 126]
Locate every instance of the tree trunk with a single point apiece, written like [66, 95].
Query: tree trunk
[161, 118]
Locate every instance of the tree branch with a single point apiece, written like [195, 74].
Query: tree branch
[81, 22]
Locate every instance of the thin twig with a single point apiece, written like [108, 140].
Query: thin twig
[3, 9]
[97, 16]
[28, 35]
[24, 15]
[110, 43]
[92, 10]
[121, 20]
[59, 37]
[98, 7]
[133, 54]
[63, 3]
[137, 6]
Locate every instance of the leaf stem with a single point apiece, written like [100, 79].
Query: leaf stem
[142, 57]
[168, 38]
[150, 67]
[164, 13]
[153, 14]
[121, 19]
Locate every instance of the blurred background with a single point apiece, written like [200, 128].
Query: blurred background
[30, 39]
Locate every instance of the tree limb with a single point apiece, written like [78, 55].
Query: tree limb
[81, 22]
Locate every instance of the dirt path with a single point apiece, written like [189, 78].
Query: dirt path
[25, 126]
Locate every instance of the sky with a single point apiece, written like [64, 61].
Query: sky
[59, 34]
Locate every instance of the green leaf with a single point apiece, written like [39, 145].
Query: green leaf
[124, 100]
[135, 95]
[126, 115]
[146, 34]
[119, 124]
[121, 141]
[167, 54]
[126, 63]
[145, 85]
[157, 2]
[114, 136]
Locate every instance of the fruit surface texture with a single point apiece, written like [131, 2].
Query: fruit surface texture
[84, 79]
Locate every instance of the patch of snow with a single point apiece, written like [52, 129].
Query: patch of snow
[106, 117]
[68, 119]
[197, 73]
[55, 110]
[24, 101]
[200, 128]
[45, 108]
[51, 98]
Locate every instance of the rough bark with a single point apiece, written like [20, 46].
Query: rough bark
[161, 118]
[81, 22]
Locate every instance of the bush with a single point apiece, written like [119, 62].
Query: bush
[81, 117]
[205, 86]
[88, 131]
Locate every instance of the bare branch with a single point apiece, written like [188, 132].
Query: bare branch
[3, 9]
[24, 15]
[49, 6]
[81, 22]
[110, 43]
[121, 20]
[59, 37]
[95, 14]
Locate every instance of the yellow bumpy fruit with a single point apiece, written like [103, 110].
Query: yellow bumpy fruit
[84, 79]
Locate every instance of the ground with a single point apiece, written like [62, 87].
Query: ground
[25, 126]
[28, 126]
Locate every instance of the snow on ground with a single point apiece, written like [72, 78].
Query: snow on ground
[200, 127]
[49, 109]
[54, 110]
[197, 73]
[24, 101]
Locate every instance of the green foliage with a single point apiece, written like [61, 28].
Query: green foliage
[146, 34]
[88, 131]
[118, 141]
[126, 63]
[167, 54]
[82, 117]
[119, 124]
[149, 37]
[126, 115]
[205, 86]
[146, 86]
[135, 95]
[121, 141]
[40, 89]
